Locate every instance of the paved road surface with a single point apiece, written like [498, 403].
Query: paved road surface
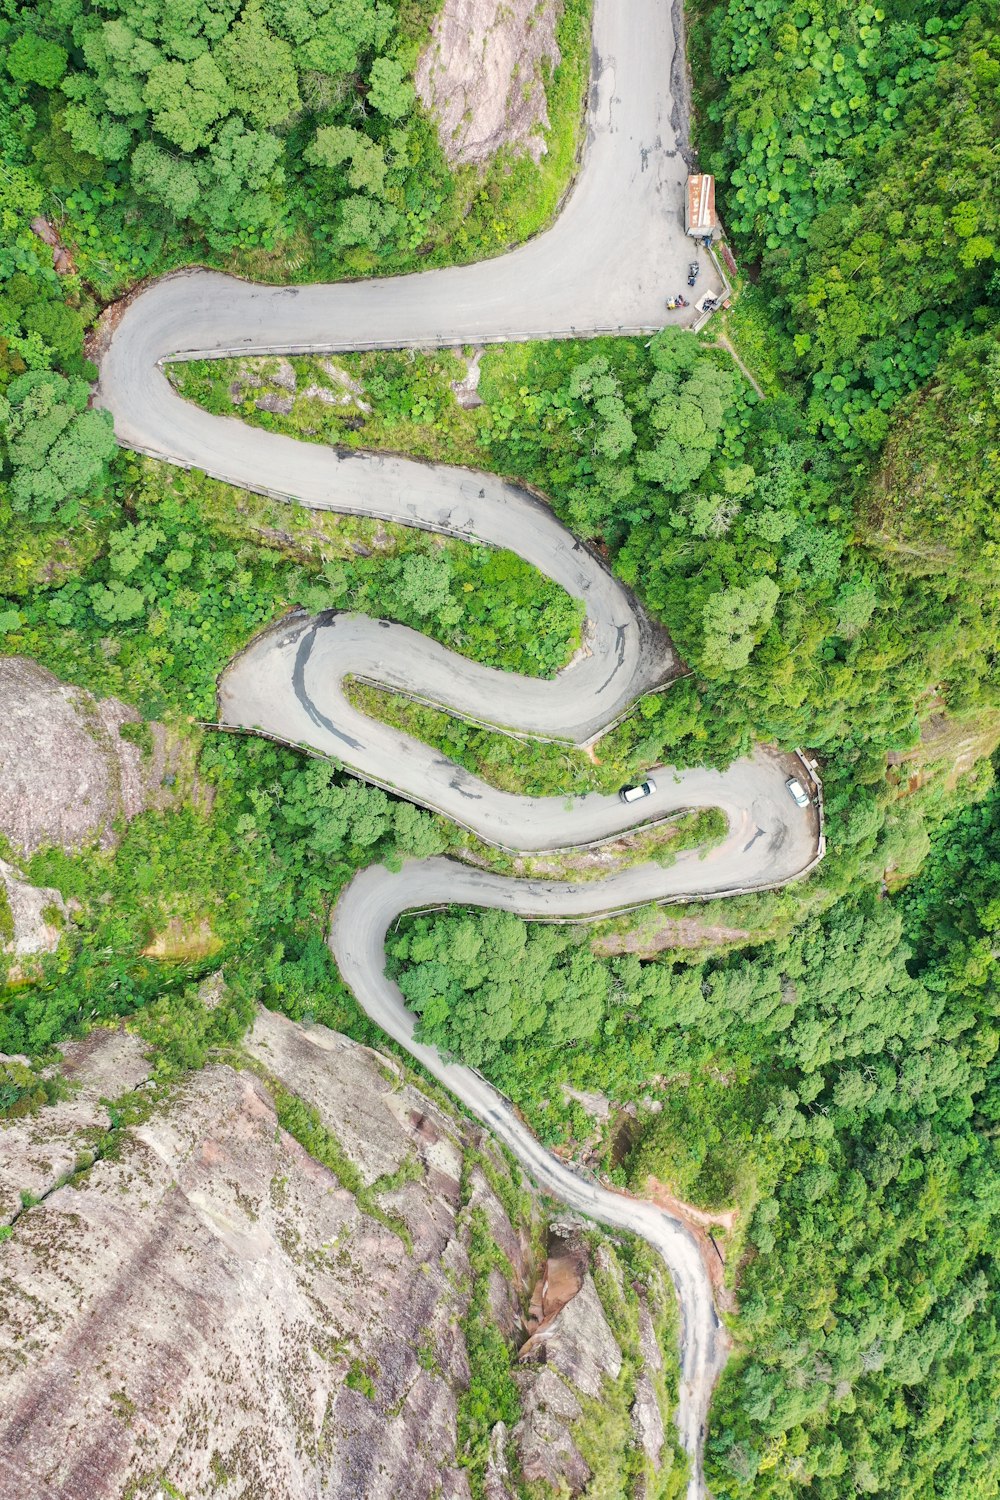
[606, 265]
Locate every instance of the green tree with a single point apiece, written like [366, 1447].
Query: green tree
[735, 619]
[55, 448]
[389, 90]
[33, 59]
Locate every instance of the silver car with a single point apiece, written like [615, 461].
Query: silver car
[636, 793]
[797, 792]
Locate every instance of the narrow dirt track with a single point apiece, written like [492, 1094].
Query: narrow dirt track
[605, 266]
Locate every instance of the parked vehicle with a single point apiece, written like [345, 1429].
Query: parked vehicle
[797, 792]
[693, 270]
[636, 793]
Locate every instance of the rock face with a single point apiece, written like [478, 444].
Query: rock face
[481, 75]
[572, 1360]
[36, 1151]
[31, 921]
[208, 1300]
[205, 1309]
[546, 1448]
[578, 1343]
[66, 774]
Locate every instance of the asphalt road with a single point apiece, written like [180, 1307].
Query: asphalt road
[606, 265]
[288, 683]
[364, 913]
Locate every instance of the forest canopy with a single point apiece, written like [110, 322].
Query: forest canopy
[821, 546]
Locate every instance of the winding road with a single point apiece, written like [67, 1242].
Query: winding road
[604, 266]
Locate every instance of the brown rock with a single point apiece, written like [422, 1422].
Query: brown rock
[578, 1342]
[562, 1275]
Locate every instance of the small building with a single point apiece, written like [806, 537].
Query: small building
[699, 211]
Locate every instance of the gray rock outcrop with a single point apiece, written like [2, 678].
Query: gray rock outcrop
[481, 75]
[37, 1151]
[193, 1304]
[543, 1435]
[209, 1300]
[32, 918]
[66, 774]
[647, 1420]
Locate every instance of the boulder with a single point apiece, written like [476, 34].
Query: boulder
[32, 918]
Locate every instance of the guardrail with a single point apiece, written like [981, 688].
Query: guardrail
[396, 791]
[592, 916]
[727, 291]
[427, 341]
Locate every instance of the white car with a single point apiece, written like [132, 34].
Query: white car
[636, 793]
[797, 792]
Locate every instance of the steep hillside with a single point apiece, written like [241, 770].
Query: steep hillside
[293, 1272]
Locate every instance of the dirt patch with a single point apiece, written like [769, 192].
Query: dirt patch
[659, 932]
[482, 76]
[948, 746]
[467, 389]
[62, 260]
[704, 1225]
[183, 941]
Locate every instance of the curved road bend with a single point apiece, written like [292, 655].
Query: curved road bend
[364, 913]
[605, 265]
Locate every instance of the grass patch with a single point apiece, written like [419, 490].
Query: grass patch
[491, 1395]
[514, 199]
[390, 399]
[760, 340]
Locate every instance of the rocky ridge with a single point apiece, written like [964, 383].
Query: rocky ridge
[198, 1303]
[67, 774]
[32, 919]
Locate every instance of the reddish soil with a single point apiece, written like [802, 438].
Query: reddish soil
[561, 1279]
[98, 339]
[701, 1223]
[62, 260]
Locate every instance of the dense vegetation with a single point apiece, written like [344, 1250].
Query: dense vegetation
[280, 136]
[841, 1086]
[825, 558]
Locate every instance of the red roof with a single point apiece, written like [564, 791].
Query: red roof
[700, 204]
